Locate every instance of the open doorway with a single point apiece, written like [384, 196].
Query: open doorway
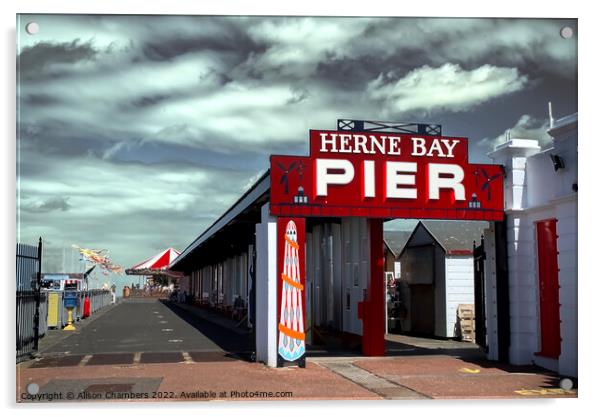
[430, 280]
[429, 283]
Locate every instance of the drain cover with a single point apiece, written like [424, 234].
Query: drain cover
[97, 388]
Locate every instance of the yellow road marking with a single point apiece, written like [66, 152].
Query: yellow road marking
[543, 391]
[469, 371]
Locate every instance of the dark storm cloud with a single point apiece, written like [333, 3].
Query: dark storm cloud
[163, 155]
[167, 49]
[165, 120]
[113, 204]
[298, 95]
[401, 44]
[217, 78]
[46, 59]
[232, 41]
[150, 100]
[40, 99]
[64, 139]
[49, 204]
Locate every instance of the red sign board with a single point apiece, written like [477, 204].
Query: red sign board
[385, 175]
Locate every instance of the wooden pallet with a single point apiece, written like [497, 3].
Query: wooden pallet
[467, 321]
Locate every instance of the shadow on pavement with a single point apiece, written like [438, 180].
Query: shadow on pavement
[236, 345]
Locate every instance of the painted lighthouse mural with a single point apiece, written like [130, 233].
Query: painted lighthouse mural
[291, 259]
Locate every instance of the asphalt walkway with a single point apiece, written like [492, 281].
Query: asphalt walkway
[155, 350]
[146, 328]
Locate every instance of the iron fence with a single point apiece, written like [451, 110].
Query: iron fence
[26, 308]
[31, 322]
[28, 265]
[98, 300]
[26, 331]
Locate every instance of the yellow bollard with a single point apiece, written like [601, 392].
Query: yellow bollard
[69, 325]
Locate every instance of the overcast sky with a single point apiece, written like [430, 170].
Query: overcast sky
[136, 132]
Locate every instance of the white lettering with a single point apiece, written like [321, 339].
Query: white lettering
[418, 147]
[436, 182]
[324, 177]
[369, 179]
[435, 147]
[332, 141]
[450, 147]
[345, 146]
[394, 179]
[378, 144]
[360, 141]
[394, 145]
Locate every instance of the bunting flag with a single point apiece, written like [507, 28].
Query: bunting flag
[101, 258]
[291, 327]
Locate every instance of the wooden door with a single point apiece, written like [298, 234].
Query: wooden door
[422, 308]
[549, 305]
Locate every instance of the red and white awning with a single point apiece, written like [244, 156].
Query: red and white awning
[158, 263]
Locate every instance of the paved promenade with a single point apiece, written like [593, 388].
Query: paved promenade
[143, 350]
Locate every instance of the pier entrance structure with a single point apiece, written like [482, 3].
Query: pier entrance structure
[268, 248]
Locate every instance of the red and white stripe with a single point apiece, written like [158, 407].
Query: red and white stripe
[160, 261]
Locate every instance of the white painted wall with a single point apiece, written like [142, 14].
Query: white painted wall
[249, 283]
[205, 287]
[533, 192]
[459, 282]
[568, 280]
[355, 271]
[323, 281]
[234, 275]
[265, 335]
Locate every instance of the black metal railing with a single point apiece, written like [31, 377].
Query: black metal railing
[28, 283]
[27, 334]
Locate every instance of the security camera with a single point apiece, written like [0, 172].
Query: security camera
[557, 161]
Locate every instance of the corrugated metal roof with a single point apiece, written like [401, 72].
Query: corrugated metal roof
[396, 240]
[455, 235]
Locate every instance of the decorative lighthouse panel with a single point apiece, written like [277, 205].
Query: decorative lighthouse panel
[291, 287]
[386, 175]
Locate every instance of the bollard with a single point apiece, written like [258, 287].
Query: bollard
[70, 301]
[69, 325]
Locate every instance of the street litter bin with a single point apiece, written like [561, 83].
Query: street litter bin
[86, 307]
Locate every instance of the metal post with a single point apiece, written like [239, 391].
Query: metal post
[36, 317]
[502, 289]
[386, 308]
[69, 325]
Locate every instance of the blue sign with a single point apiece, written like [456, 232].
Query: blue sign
[70, 300]
[55, 277]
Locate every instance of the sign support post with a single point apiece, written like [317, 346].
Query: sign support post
[372, 310]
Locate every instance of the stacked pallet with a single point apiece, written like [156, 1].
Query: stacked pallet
[467, 321]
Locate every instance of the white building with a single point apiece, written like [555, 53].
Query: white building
[437, 270]
[541, 208]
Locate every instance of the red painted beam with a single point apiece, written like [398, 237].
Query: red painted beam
[373, 309]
